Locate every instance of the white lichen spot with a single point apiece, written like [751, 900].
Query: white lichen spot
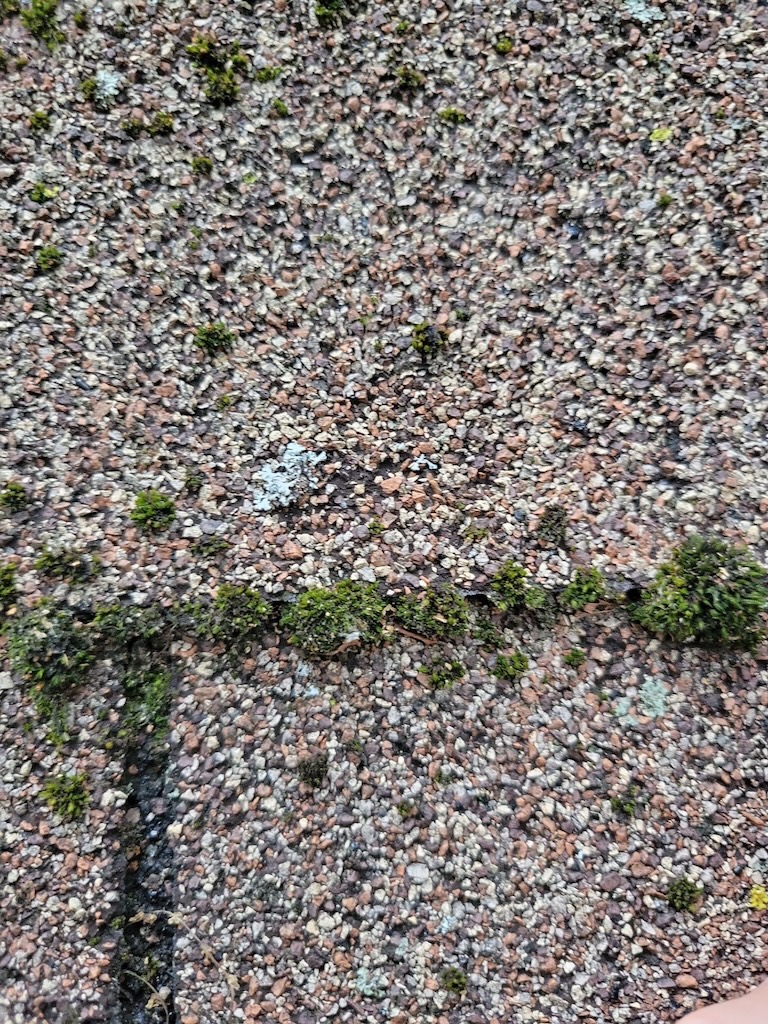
[372, 984]
[653, 698]
[108, 85]
[281, 481]
[643, 12]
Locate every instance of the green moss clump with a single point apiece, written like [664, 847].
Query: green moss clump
[122, 629]
[9, 8]
[324, 621]
[52, 651]
[709, 593]
[510, 588]
[428, 341]
[41, 193]
[209, 547]
[511, 667]
[39, 121]
[452, 116]
[552, 526]
[503, 46]
[132, 126]
[161, 124]
[39, 19]
[80, 19]
[328, 13]
[7, 590]
[153, 511]
[683, 894]
[441, 613]
[70, 564]
[219, 63]
[408, 78]
[214, 339]
[625, 804]
[268, 74]
[443, 675]
[236, 617]
[587, 586]
[89, 88]
[147, 700]
[201, 165]
[280, 107]
[575, 658]
[66, 795]
[313, 771]
[402, 28]
[49, 258]
[207, 52]
[454, 981]
[13, 497]
[221, 87]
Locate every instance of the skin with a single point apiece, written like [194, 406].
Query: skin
[749, 1009]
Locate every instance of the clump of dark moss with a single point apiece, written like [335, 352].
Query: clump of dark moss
[510, 588]
[67, 796]
[71, 564]
[214, 339]
[132, 126]
[625, 804]
[329, 13]
[503, 46]
[147, 700]
[442, 674]
[575, 658]
[160, 124]
[428, 341]
[9, 8]
[587, 586]
[683, 894]
[552, 526]
[13, 497]
[325, 622]
[437, 612]
[313, 771]
[3, 60]
[39, 19]
[454, 981]
[49, 258]
[51, 650]
[7, 590]
[220, 63]
[408, 79]
[268, 74]
[511, 667]
[236, 617]
[280, 107]
[210, 546]
[80, 19]
[201, 165]
[453, 116]
[488, 633]
[39, 121]
[128, 629]
[709, 593]
[153, 511]
[407, 810]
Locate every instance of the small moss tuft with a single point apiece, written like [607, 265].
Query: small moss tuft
[683, 894]
[66, 795]
[80, 19]
[441, 613]
[503, 46]
[443, 674]
[201, 166]
[268, 74]
[280, 107]
[236, 617]
[49, 258]
[7, 590]
[39, 121]
[625, 804]
[161, 124]
[575, 658]
[147, 701]
[313, 771]
[70, 564]
[39, 19]
[428, 341]
[221, 87]
[408, 78]
[153, 511]
[41, 193]
[454, 981]
[510, 588]
[552, 526]
[511, 667]
[132, 126]
[452, 116]
[13, 497]
[587, 586]
[214, 339]
[326, 621]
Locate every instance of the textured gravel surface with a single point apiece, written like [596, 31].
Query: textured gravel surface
[593, 240]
